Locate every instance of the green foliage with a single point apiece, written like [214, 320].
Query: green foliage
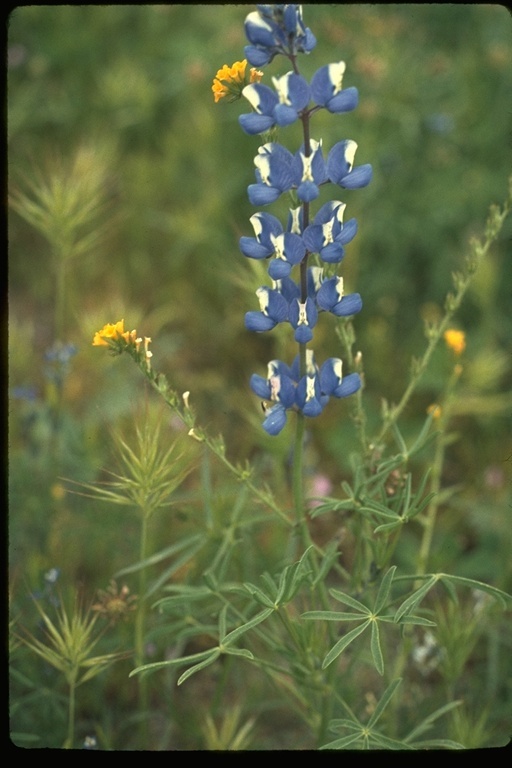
[127, 191]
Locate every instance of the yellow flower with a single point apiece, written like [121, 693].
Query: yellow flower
[109, 332]
[455, 340]
[434, 410]
[232, 80]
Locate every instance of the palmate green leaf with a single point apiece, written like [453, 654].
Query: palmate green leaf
[448, 581]
[342, 597]
[384, 469]
[346, 741]
[213, 655]
[331, 505]
[413, 600]
[258, 595]
[390, 526]
[223, 622]
[365, 733]
[292, 579]
[384, 589]
[330, 556]
[343, 642]
[372, 507]
[233, 636]
[376, 650]
[155, 665]
[502, 597]
[419, 621]
[379, 740]
[384, 701]
[243, 652]
[438, 744]
[332, 616]
[338, 724]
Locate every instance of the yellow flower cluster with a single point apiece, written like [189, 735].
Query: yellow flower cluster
[455, 340]
[112, 332]
[232, 80]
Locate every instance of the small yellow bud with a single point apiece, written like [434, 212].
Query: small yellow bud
[434, 410]
[455, 340]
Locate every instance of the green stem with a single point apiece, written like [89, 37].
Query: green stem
[345, 332]
[140, 625]
[71, 716]
[60, 297]
[298, 486]
[429, 520]
[431, 514]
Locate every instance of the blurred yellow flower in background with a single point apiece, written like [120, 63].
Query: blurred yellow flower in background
[455, 340]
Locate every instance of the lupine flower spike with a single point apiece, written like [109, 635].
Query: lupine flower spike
[305, 386]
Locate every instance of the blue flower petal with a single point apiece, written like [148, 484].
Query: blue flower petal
[279, 268]
[307, 191]
[344, 101]
[348, 232]
[313, 238]
[258, 31]
[275, 420]
[303, 334]
[251, 248]
[332, 253]
[253, 123]
[285, 115]
[348, 386]
[258, 322]
[262, 194]
[349, 305]
[330, 293]
[257, 57]
[330, 375]
[359, 177]
[260, 386]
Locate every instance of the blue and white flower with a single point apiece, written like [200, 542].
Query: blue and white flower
[303, 317]
[340, 166]
[275, 173]
[263, 100]
[327, 234]
[331, 298]
[276, 29]
[327, 89]
[273, 310]
[294, 95]
[287, 247]
[310, 172]
[279, 389]
[332, 381]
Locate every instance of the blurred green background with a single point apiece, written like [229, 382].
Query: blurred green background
[122, 94]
